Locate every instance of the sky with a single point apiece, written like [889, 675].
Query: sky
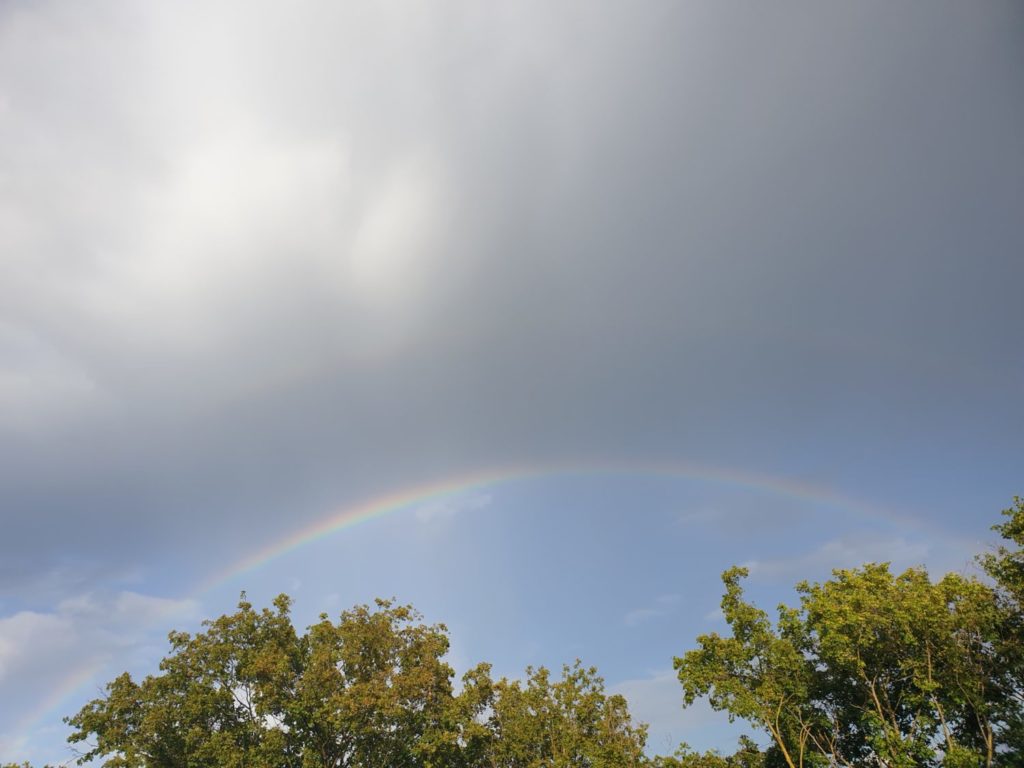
[536, 315]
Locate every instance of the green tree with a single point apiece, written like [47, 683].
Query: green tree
[368, 690]
[759, 674]
[904, 666]
[371, 689]
[211, 704]
[565, 723]
[874, 668]
[1005, 565]
[374, 689]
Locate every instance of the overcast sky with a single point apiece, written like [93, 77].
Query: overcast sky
[260, 262]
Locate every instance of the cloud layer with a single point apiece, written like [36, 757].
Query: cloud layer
[259, 262]
[307, 244]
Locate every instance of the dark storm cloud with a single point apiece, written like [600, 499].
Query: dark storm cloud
[259, 259]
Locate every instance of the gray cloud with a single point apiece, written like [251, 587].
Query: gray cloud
[257, 258]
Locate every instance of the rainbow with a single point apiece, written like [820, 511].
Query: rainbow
[69, 686]
[370, 509]
[410, 498]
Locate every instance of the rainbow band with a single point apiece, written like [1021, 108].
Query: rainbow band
[381, 506]
[55, 698]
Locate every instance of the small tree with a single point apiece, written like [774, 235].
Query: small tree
[562, 723]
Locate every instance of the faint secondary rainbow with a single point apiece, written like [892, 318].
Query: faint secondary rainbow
[419, 495]
[50, 703]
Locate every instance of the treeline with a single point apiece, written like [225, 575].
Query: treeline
[870, 668]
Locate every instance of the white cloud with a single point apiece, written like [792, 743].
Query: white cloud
[49, 656]
[30, 641]
[397, 235]
[662, 605]
[448, 508]
[191, 213]
[939, 553]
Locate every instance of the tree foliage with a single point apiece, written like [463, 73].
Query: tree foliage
[371, 689]
[1006, 568]
[545, 723]
[874, 668]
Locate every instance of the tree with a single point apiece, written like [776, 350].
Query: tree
[904, 668]
[1006, 568]
[371, 689]
[1006, 564]
[874, 668]
[211, 706]
[563, 723]
[759, 674]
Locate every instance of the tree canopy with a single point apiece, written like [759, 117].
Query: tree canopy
[371, 689]
[873, 668]
[868, 668]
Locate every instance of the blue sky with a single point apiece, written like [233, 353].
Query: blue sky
[260, 264]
